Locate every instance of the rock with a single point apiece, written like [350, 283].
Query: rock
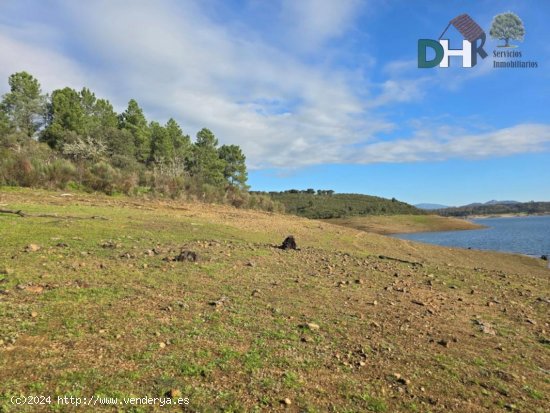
[287, 402]
[62, 245]
[443, 343]
[256, 293]
[418, 302]
[110, 244]
[36, 289]
[250, 264]
[544, 257]
[186, 255]
[311, 326]
[162, 344]
[219, 303]
[34, 314]
[289, 243]
[174, 394]
[32, 248]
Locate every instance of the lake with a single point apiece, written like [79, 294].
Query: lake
[524, 235]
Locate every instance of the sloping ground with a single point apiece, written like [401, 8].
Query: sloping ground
[400, 224]
[352, 322]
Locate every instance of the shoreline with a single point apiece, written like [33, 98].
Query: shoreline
[518, 215]
[404, 224]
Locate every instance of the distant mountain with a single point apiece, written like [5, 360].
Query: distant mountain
[431, 206]
[493, 202]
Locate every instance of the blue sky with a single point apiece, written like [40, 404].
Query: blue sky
[319, 94]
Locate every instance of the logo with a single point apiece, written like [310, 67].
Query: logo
[506, 27]
[472, 45]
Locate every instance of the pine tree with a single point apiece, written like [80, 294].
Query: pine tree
[24, 105]
[135, 122]
[235, 167]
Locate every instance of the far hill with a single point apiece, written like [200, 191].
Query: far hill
[324, 204]
[430, 207]
[523, 208]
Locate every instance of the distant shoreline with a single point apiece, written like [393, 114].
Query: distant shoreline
[518, 215]
[404, 224]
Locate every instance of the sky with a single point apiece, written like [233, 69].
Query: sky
[322, 94]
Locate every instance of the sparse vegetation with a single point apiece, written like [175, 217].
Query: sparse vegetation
[350, 322]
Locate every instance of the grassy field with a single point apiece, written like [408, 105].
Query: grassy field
[400, 224]
[352, 322]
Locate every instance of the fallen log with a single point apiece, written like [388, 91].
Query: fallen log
[25, 215]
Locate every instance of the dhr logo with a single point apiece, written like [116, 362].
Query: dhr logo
[472, 45]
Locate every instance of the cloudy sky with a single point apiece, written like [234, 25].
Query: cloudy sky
[318, 93]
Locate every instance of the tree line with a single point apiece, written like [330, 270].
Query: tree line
[530, 208]
[75, 139]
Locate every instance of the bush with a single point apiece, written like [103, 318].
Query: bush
[101, 177]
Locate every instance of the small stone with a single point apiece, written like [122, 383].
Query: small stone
[287, 402]
[174, 394]
[102, 331]
[311, 326]
[32, 248]
[443, 343]
[162, 344]
[250, 264]
[362, 363]
[34, 314]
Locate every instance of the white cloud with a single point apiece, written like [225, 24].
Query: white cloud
[52, 68]
[284, 111]
[313, 22]
[444, 143]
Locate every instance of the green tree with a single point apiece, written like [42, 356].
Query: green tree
[99, 113]
[4, 123]
[235, 167]
[205, 162]
[135, 122]
[180, 142]
[162, 148]
[65, 114]
[24, 105]
[507, 26]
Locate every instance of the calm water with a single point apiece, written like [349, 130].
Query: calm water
[523, 235]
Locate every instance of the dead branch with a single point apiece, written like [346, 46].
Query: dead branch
[25, 215]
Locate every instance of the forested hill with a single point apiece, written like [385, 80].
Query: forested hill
[497, 209]
[323, 204]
